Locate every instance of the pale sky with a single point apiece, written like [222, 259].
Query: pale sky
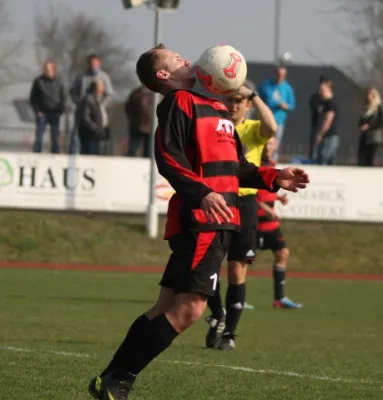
[198, 24]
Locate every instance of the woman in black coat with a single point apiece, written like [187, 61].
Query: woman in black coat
[371, 128]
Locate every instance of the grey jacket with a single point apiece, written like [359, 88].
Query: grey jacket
[90, 118]
[47, 95]
[81, 84]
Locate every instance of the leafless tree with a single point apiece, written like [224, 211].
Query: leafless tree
[11, 71]
[69, 36]
[366, 21]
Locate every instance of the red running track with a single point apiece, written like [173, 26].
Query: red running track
[158, 270]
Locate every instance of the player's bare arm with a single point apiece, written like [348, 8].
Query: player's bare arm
[291, 179]
[327, 122]
[268, 210]
[283, 199]
[269, 126]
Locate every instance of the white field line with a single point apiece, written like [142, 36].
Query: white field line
[57, 353]
[223, 366]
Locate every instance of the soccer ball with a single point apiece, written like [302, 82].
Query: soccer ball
[222, 69]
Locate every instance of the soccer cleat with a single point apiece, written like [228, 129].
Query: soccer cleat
[285, 302]
[247, 306]
[227, 342]
[95, 388]
[117, 388]
[110, 387]
[214, 334]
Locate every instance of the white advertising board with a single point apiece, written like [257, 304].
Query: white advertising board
[117, 184]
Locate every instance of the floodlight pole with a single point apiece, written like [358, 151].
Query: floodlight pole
[152, 211]
[277, 29]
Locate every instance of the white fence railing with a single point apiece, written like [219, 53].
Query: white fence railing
[118, 184]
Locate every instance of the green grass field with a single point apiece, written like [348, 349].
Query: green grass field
[60, 328]
[121, 240]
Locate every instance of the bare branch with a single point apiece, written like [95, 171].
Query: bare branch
[366, 18]
[69, 36]
[11, 71]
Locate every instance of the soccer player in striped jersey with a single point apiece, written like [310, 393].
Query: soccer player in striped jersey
[270, 236]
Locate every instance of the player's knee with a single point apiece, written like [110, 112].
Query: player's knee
[187, 310]
[164, 303]
[237, 272]
[282, 256]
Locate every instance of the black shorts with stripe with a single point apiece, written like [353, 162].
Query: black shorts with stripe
[195, 263]
[271, 240]
[243, 244]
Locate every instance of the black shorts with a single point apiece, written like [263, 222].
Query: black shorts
[271, 240]
[243, 244]
[195, 263]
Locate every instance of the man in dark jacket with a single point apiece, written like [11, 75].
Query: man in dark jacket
[138, 110]
[47, 98]
[316, 108]
[92, 120]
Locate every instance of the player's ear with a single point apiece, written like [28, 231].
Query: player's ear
[162, 74]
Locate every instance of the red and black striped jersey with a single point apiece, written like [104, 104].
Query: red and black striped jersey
[265, 222]
[198, 151]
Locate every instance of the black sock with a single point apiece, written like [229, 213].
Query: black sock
[215, 303]
[235, 298]
[158, 337]
[133, 337]
[279, 282]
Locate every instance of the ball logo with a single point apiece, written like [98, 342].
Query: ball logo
[230, 71]
[206, 79]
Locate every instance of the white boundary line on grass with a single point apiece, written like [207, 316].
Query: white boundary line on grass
[56, 352]
[223, 366]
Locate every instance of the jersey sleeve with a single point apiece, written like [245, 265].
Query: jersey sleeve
[172, 138]
[251, 176]
[255, 130]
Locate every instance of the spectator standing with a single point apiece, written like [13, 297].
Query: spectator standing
[92, 120]
[316, 105]
[371, 128]
[47, 99]
[138, 110]
[279, 96]
[80, 87]
[327, 138]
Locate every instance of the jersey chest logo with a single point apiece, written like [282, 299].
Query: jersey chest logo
[225, 126]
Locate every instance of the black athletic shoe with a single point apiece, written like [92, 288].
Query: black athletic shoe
[110, 387]
[214, 334]
[95, 388]
[227, 342]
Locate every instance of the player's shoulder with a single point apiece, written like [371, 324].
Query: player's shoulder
[176, 99]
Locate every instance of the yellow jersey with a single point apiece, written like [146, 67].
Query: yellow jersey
[249, 131]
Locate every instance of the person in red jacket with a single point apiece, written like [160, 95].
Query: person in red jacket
[198, 151]
[270, 236]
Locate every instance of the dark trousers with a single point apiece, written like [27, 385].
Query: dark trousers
[136, 139]
[89, 146]
[53, 120]
[313, 135]
[366, 152]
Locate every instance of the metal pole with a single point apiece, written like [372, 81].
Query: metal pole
[277, 29]
[152, 211]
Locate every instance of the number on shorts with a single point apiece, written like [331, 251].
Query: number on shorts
[214, 278]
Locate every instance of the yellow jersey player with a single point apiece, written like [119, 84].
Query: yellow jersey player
[254, 134]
